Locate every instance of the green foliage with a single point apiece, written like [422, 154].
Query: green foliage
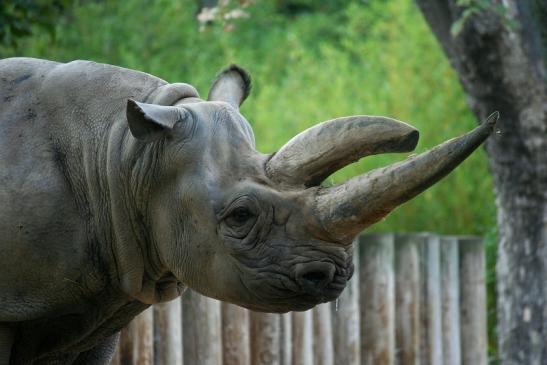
[374, 57]
[19, 17]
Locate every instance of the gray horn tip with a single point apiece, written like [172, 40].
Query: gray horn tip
[492, 119]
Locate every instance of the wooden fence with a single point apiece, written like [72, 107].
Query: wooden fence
[414, 299]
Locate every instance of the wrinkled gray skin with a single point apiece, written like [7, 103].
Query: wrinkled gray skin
[118, 190]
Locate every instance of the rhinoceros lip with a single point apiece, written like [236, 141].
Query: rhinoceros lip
[297, 300]
[333, 290]
[307, 301]
[327, 294]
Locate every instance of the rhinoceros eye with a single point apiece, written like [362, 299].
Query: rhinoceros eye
[239, 216]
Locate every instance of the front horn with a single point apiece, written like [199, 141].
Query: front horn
[345, 210]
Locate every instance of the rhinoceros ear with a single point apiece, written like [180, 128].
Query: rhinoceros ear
[148, 122]
[232, 85]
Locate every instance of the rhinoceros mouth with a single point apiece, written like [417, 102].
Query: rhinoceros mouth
[283, 293]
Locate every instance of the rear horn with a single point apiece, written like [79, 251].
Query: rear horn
[313, 155]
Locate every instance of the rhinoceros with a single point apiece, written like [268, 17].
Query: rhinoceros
[119, 190]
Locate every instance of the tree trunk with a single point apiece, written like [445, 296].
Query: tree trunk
[500, 55]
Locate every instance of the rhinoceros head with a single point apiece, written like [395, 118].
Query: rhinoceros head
[260, 230]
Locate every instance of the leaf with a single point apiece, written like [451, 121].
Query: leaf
[457, 27]
[464, 3]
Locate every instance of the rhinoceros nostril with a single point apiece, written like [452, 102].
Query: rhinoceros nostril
[313, 277]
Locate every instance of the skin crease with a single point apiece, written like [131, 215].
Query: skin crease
[112, 222]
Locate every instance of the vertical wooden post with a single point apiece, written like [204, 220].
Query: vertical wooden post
[407, 299]
[181, 301]
[322, 335]
[265, 338]
[136, 344]
[168, 333]
[202, 335]
[143, 337]
[346, 319]
[286, 339]
[431, 314]
[302, 336]
[235, 335]
[450, 300]
[126, 346]
[474, 335]
[377, 295]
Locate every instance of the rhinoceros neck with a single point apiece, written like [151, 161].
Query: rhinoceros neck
[130, 167]
[110, 173]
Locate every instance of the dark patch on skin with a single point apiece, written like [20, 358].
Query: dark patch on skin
[31, 115]
[20, 79]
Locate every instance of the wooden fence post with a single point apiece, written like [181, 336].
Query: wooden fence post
[286, 339]
[235, 335]
[414, 299]
[474, 335]
[322, 335]
[125, 346]
[265, 338]
[450, 300]
[302, 337]
[407, 299]
[431, 313]
[137, 340]
[201, 329]
[377, 295]
[346, 319]
[168, 333]
[136, 344]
